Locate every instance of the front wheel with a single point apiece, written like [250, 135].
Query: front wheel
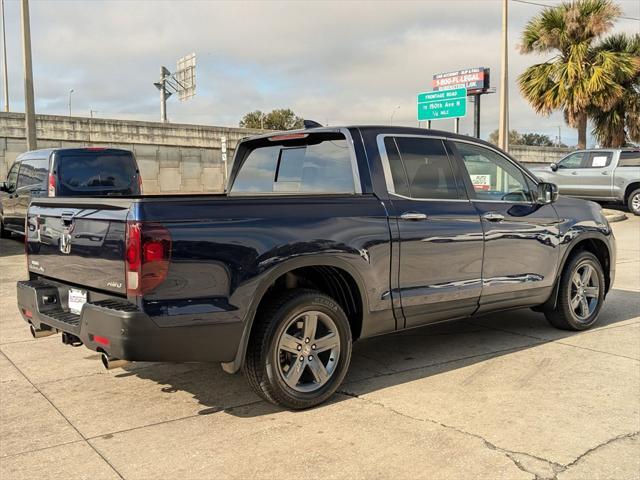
[299, 350]
[581, 293]
[633, 203]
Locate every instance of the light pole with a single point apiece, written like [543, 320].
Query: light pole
[5, 74]
[71, 90]
[29, 102]
[393, 113]
[503, 129]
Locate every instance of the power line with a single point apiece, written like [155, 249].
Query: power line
[546, 5]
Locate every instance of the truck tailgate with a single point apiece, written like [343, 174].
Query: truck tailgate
[81, 241]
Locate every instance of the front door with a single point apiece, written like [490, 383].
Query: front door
[438, 228]
[567, 176]
[521, 237]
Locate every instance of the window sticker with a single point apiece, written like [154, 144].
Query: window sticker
[599, 162]
[481, 182]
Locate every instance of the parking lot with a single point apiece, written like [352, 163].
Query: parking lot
[504, 396]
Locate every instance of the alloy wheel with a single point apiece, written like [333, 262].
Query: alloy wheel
[635, 202]
[308, 351]
[585, 291]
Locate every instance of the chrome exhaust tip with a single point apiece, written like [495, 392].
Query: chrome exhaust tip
[40, 332]
[110, 363]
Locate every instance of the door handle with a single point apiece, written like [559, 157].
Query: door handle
[604, 173]
[493, 217]
[413, 216]
[574, 173]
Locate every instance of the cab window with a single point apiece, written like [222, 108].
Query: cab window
[319, 163]
[493, 177]
[629, 159]
[599, 159]
[572, 161]
[12, 178]
[421, 168]
[33, 172]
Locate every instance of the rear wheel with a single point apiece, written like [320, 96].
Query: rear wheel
[633, 202]
[299, 351]
[580, 295]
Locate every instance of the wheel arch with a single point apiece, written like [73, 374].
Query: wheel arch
[630, 188]
[332, 276]
[594, 243]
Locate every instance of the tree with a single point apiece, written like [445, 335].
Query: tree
[536, 139]
[620, 124]
[514, 137]
[578, 77]
[279, 119]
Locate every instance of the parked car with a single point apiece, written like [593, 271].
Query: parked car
[611, 175]
[325, 236]
[64, 172]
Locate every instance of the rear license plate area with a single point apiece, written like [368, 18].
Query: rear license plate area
[77, 298]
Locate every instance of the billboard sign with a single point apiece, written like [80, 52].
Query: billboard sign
[442, 104]
[475, 80]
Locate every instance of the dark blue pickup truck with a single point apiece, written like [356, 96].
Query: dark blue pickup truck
[325, 236]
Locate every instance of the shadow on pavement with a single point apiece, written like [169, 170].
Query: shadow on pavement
[416, 354]
[11, 246]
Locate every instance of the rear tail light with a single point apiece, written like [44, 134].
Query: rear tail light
[52, 185]
[147, 256]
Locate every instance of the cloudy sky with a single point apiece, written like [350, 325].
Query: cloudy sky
[336, 62]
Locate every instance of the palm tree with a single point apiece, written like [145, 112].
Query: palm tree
[621, 123]
[578, 76]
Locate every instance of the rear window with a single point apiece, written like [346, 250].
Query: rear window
[103, 171]
[320, 163]
[629, 159]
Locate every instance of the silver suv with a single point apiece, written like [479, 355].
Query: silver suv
[603, 175]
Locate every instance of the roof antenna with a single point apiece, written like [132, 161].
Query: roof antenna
[310, 124]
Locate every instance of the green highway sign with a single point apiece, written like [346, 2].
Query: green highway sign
[442, 104]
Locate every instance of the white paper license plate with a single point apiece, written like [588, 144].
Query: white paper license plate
[77, 298]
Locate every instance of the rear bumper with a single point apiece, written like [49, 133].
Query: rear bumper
[122, 330]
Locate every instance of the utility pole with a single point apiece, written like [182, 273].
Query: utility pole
[503, 129]
[29, 103]
[476, 115]
[456, 125]
[5, 74]
[70, 92]
[164, 93]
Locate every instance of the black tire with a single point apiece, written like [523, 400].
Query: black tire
[633, 202]
[263, 363]
[4, 233]
[564, 316]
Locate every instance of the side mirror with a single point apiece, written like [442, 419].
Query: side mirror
[547, 193]
[554, 167]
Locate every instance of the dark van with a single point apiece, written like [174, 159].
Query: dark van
[65, 172]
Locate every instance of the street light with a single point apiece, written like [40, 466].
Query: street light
[70, 92]
[392, 114]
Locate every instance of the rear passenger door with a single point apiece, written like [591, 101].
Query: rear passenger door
[440, 236]
[596, 176]
[521, 237]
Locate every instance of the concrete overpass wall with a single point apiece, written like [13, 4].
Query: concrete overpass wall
[173, 158]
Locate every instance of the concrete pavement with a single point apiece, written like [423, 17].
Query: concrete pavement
[503, 396]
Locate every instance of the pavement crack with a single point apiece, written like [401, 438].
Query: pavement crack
[601, 445]
[491, 446]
